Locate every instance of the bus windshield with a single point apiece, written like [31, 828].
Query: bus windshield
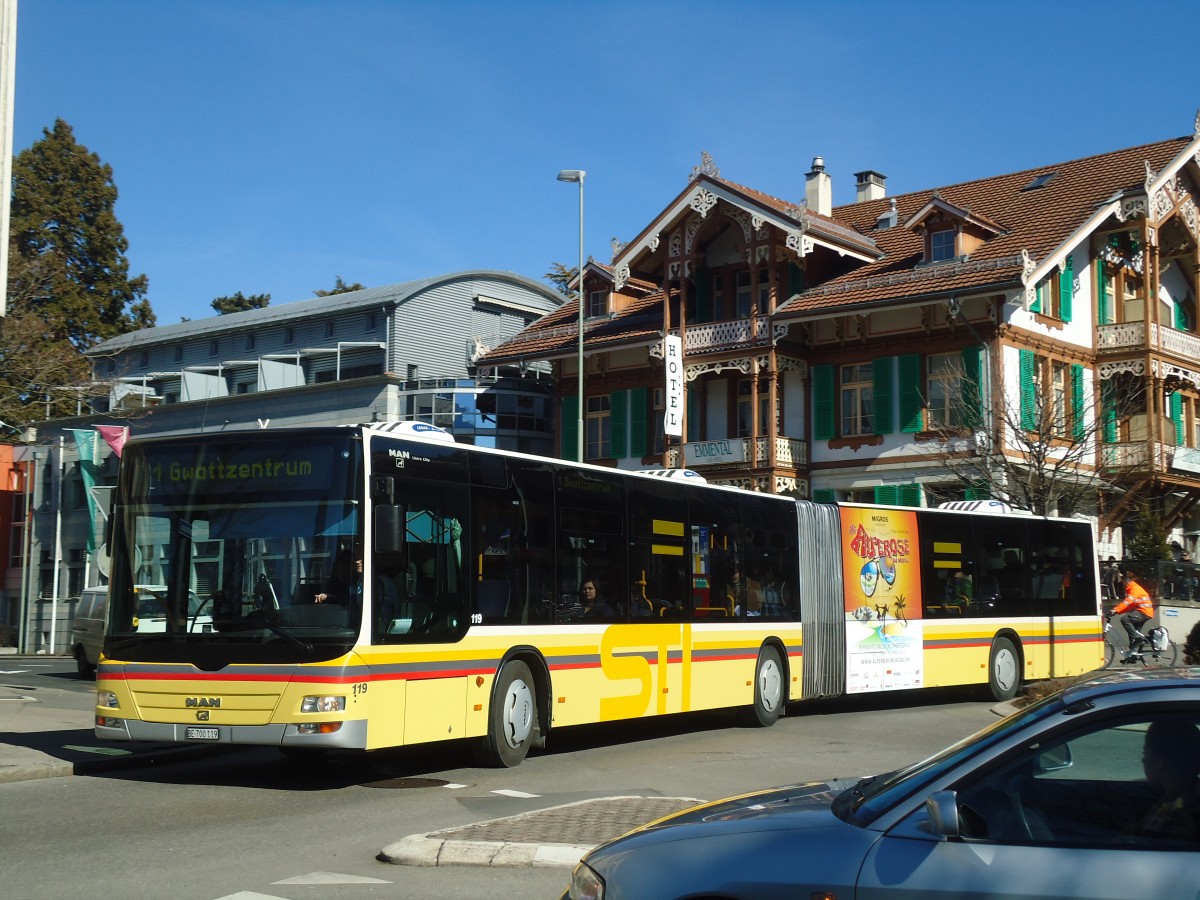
[242, 551]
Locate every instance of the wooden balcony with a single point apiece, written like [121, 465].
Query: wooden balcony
[1132, 336]
[713, 337]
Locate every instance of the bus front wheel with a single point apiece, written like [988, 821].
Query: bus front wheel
[1004, 669]
[768, 690]
[512, 719]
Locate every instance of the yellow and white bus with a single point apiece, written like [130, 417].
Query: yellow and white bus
[380, 585]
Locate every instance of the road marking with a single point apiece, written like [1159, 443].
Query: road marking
[29, 699]
[13, 671]
[250, 895]
[450, 785]
[331, 878]
[103, 751]
[518, 794]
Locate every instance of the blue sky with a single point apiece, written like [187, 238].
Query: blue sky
[267, 146]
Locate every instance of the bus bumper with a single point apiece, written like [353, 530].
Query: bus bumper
[351, 736]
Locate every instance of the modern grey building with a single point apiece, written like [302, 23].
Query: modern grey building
[401, 352]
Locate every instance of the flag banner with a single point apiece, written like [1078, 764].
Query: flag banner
[85, 442]
[115, 436]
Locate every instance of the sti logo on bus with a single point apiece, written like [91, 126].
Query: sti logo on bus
[204, 702]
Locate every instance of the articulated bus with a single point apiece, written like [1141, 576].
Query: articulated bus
[375, 586]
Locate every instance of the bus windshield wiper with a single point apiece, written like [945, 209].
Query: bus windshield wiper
[287, 636]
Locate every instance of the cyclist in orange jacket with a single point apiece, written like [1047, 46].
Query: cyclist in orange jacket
[1138, 608]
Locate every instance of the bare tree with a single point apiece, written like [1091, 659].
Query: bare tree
[1048, 451]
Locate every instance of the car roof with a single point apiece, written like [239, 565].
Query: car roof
[1132, 681]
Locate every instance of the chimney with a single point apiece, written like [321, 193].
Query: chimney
[871, 186]
[818, 188]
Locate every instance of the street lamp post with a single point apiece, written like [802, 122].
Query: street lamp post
[577, 175]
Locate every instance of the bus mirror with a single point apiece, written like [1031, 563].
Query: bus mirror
[389, 528]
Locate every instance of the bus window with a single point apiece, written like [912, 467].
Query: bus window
[1064, 583]
[657, 553]
[715, 549]
[591, 540]
[951, 584]
[428, 591]
[1002, 561]
[771, 568]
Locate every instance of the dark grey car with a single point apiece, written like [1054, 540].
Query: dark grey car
[1093, 792]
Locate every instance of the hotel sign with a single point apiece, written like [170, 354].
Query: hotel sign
[673, 363]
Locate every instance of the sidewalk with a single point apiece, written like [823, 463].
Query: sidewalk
[46, 733]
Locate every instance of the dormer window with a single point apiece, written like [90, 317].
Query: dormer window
[942, 245]
[597, 303]
[951, 231]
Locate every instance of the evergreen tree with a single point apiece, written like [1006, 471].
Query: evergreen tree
[340, 287]
[68, 280]
[1149, 542]
[239, 302]
[64, 228]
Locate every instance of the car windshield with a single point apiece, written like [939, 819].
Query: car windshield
[871, 797]
[243, 551]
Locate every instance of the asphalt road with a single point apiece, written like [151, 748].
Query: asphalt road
[253, 825]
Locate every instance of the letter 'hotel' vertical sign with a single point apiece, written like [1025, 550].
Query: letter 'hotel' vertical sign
[673, 359]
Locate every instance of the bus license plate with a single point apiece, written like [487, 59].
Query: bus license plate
[202, 734]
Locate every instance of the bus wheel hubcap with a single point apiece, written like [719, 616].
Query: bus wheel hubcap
[770, 685]
[518, 714]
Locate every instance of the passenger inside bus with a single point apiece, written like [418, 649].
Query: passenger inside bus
[595, 604]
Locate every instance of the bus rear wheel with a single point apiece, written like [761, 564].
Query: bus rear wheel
[768, 690]
[512, 719]
[1004, 669]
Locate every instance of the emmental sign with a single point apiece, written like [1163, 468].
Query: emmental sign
[712, 452]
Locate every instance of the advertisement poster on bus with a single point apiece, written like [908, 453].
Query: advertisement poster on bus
[884, 634]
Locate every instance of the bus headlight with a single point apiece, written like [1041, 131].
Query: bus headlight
[107, 699]
[322, 704]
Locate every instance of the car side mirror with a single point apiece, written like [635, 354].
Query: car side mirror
[1054, 759]
[942, 809]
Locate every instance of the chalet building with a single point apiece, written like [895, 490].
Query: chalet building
[850, 352]
[399, 352]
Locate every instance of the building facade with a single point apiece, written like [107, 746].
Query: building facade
[406, 351]
[1043, 321]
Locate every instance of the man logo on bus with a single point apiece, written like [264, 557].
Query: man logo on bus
[191, 702]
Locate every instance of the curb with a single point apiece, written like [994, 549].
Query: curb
[135, 759]
[422, 850]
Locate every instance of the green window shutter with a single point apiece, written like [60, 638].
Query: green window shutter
[1181, 317]
[909, 494]
[888, 494]
[1103, 308]
[1028, 392]
[693, 414]
[822, 402]
[1036, 306]
[637, 422]
[570, 427]
[1066, 290]
[912, 411]
[704, 299]
[619, 413]
[1177, 416]
[795, 279]
[972, 386]
[1108, 412]
[824, 495]
[978, 492]
[882, 389]
[1077, 403]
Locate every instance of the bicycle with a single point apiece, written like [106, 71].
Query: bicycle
[1157, 650]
